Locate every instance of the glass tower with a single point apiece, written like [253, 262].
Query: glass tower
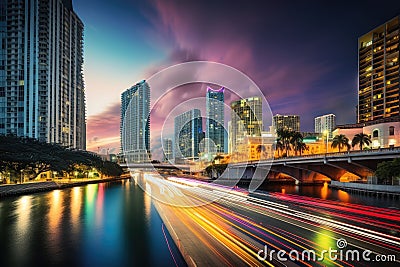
[135, 123]
[188, 134]
[41, 80]
[215, 131]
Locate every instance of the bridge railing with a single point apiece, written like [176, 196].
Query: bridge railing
[329, 155]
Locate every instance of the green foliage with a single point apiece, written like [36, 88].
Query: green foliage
[388, 170]
[216, 169]
[33, 157]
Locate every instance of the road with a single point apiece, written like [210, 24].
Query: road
[219, 226]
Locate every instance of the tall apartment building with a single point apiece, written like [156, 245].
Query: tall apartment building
[378, 72]
[215, 131]
[41, 81]
[135, 123]
[288, 122]
[188, 132]
[246, 120]
[325, 123]
[167, 149]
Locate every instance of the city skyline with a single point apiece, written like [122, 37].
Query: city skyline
[304, 74]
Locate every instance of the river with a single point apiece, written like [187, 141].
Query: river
[106, 224]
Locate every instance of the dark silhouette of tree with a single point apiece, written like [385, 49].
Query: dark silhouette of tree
[340, 141]
[360, 139]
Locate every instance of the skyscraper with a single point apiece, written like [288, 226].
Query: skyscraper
[41, 82]
[246, 119]
[288, 122]
[215, 121]
[378, 72]
[135, 123]
[325, 123]
[167, 149]
[188, 132]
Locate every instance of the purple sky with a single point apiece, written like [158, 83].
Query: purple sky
[301, 54]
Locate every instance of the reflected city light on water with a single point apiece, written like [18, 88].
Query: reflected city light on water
[343, 196]
[324, 191]
[76, 203]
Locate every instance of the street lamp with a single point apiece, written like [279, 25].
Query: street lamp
[22, 175]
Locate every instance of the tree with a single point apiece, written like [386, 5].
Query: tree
[360, 139]
[279, 147]
[340, 141]
[388, 171]
[297, 143]
[284, 136]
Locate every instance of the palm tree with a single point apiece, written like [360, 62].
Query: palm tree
[279, 146]
[360, 139]
[296, 141]
[285, 136]
[340, 141]
[300, 147]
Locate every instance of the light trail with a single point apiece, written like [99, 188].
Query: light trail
[234, 225]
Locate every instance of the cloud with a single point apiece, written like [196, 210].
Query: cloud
[103, 130]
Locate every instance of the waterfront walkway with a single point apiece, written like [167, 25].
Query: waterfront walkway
[35, 187]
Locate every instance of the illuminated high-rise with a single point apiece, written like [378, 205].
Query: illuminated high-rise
[378, 72]
[135, 123]
[41, 77]
[246, 119]
[325, 124]
[215, 131]
[188, 132]
[287, 122]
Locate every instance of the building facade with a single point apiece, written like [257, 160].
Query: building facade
[188, 132]
[287, 122]
[42, 92]
[384, 133]
[215, 131]
[168, 150]
[135, 123]
[325, 124]
[378, 72]
[246, 119]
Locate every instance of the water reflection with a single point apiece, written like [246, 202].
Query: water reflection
[343, 196]
[76, 204]
[325, 192]
[109, 224]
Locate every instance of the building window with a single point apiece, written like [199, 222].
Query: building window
[375, 133]
[391, 130]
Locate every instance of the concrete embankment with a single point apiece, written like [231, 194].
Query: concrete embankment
[374, 189]
[36, 187]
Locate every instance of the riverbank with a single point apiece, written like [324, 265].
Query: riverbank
[36, 187]
[369, 189]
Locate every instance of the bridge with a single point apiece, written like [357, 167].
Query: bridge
[313, 168]
[155, 166]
